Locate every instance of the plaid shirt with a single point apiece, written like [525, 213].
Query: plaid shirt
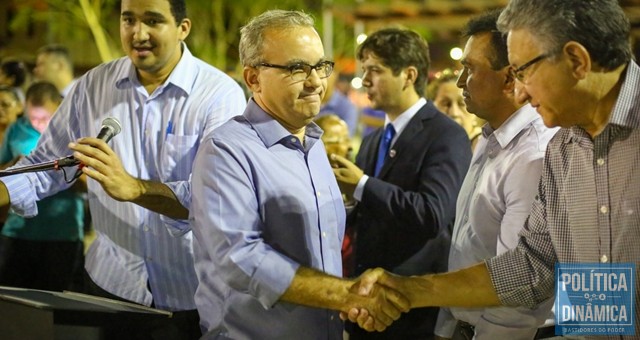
[587, 208]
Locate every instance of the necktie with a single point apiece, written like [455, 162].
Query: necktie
[383, 149]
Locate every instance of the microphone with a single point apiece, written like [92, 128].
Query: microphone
[110, 128]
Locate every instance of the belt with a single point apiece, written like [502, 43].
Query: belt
[466, 331]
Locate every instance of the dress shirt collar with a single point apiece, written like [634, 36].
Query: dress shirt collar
[403, 119]
[270, 131]
[512, 126]
[181, 76]
[626, 112]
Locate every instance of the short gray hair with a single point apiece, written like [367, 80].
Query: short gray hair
[599, 25]
[252, 34]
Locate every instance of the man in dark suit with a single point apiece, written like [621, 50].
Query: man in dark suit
[407, 175]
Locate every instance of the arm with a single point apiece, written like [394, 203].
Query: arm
[104, 166]
[529, 286]
[469, 287]
[430, 202]
[4, 201]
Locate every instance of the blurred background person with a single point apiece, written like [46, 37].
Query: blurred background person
[448, 98]
[45, 251]
[54, 64]
[336, 135]
[10, 108]
[336, 102]
[14, 73]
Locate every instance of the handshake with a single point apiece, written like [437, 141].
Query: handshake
[384, 295]
[377, 298]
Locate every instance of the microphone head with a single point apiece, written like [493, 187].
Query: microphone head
[110, 127]
[113, 124]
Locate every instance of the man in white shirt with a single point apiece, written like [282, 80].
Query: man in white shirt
[139, 184]
[497, 193]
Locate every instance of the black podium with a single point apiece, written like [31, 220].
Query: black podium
[40, 314]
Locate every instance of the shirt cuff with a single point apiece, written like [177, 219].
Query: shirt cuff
[446, 324]
[357, 194]
[22, 195]
[183, 194]
[272, 278]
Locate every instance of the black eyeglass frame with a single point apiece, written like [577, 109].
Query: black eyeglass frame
[304, 67]
[517, 72]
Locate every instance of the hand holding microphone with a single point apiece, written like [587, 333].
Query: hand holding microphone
[100, 163]
[110, 128]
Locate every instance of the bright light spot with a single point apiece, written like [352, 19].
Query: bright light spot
[361, 38]
[456, 53]
[356, 83]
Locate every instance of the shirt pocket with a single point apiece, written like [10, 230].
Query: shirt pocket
[177, 156]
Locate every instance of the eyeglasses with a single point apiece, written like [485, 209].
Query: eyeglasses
[302, 71]
[518, 74]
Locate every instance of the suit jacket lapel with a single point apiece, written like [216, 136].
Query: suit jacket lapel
[406, 138]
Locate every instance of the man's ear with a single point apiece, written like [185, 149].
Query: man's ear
[411, 74]
[579, 58]
[509, 80]
[185, 28]
[250, 75]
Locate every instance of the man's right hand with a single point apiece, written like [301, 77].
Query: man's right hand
[370, 283]
[382, 306]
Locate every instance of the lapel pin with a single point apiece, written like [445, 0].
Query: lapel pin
[392, 153]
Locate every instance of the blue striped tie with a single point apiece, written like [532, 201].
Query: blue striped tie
[383, 149]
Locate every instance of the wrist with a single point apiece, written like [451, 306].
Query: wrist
[137, 189]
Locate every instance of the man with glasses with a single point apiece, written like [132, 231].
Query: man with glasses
[576, 69]
[267, 213]
[405, 183]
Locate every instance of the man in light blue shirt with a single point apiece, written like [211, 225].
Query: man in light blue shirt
[267, 213]
[166, 100]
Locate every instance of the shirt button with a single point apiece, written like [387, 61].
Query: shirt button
[145, 228]
[600, 161]
[293, 140]
[604, 259]
[332, 317]
[604, 209]
[318, 193]
[324, 234]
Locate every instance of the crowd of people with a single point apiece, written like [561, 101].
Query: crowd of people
[274, 216]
